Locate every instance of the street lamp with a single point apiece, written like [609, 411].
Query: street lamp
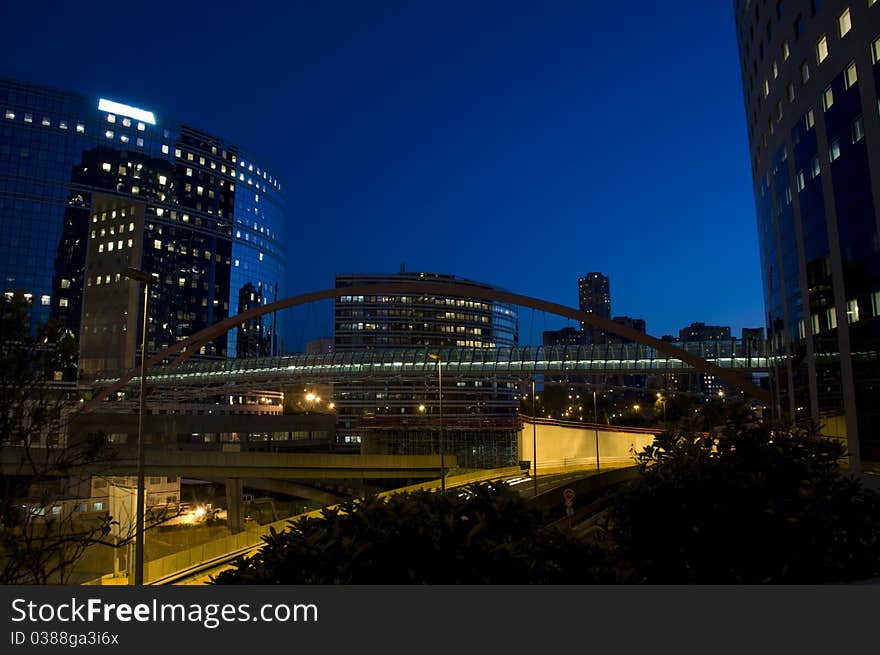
[596, 427]
[147, 279]
[534, 438]
[662, 401]
[439, 361]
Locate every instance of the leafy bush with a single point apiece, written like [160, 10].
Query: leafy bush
[746, 505]
[486, 535]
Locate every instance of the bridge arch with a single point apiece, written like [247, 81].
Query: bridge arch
[186, 348]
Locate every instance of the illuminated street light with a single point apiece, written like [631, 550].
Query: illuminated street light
[147, 279]
[439, 361]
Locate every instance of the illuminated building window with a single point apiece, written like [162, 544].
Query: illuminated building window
[111, 118]
[844, 22]
[163, 179]
[28, 118]
[140, 143]
[164, 149]
[831, 316]
[852, 311]
[814, 167]
[809, 120]
[822, 50]
[62, 302]
[141, 127]
[801, 180]
[834, 150]
[10, 115]
[857, 129]
[827, 99]
[126, 122]
[790, 91]
[108, 134]
[62, 125]
[80, 128]
[46, 122]
[157, 244]
[106, 166]
[189, 172]
[123, 138]
[850, 76]
[785, 51]
[805, 72]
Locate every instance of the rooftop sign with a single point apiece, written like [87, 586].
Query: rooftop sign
[126, 110]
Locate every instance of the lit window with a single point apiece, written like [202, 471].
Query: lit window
[46, 122]
[857, 129]
[111, 118]
[131, 227]
[779, 110]
[814, 167]
[875, 52]
[189, 172]
[65, 283]
[80, 128]
[787, 195]
[109, 134]
[822, 50]
[828, 99]
[141, 127]
[834, 149]
[189, 156]
[875, 303]
[10, 114]
[110, 246]
[157, 244]
[62, 302]
[766, 88]
[850, 76]
[177, 152]
[844, 22]
[164, 149]
[808, 119]
[831, 315]
[28, 118]
[140, 143]
[62, 125]
[123, 138]
[126, 122]
[852, 311]
[801, 180]
[44, 300]
[785, 51]
[100, 249]
[790, 90]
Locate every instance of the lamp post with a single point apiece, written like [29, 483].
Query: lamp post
[535, 436]
[147, 279]
[439, 361]
[596, 427]
[662, 401]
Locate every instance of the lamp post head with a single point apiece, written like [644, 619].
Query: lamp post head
[141, 276]
[435, 356]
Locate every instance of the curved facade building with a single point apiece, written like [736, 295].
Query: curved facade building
[401, 416]
[810, 73]
[90, 186]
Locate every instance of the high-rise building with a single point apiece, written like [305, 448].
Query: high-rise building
[637, 324]
[810, 73]
[703, 332]
[90, 187]
[594, 297]
[399, 416]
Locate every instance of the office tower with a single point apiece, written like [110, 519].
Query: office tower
[703, 332]
[90, 187]
[594, 297]
[400, 416]
[810, 73]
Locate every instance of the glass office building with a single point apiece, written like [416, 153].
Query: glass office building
[810, 73]
[401, 416]
[91, 186]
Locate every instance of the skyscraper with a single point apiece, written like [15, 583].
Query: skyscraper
[594, 297]
[90, 187]
[810, 72]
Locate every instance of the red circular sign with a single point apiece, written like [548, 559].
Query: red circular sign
[568, 494]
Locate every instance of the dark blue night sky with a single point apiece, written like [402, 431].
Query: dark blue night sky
[522, 144]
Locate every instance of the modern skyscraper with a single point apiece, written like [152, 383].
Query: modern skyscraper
[397, 416]
[89, 187]
[810, 73]
[594, 297]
